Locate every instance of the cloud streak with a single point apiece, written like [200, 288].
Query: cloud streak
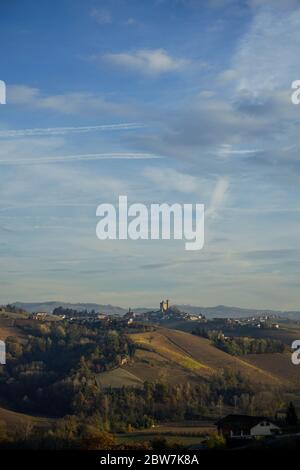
[218, 196]
[80, 157]
[69, 130]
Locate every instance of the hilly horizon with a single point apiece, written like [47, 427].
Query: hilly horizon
[210, 312]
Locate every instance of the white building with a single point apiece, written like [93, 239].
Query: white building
[246, 427]
[264, 428]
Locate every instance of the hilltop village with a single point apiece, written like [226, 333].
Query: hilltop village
[166, 312]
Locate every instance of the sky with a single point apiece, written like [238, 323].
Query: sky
[175, 101]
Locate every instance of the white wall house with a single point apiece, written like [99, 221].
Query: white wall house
[246, 427]
[264, 428]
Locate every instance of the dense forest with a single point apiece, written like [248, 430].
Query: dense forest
[43, 371]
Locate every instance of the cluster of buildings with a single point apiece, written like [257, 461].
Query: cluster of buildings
[259, 321]
[166, 312]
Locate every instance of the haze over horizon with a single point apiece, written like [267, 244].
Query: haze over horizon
[153, 306]
[186, 102]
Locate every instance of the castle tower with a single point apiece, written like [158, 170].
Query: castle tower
[164, 305]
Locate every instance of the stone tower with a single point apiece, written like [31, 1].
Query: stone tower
[164, 305]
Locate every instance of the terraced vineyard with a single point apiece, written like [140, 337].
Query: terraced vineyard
[278, 364]
[181, 355]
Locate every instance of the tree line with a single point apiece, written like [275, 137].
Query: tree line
[242, 345]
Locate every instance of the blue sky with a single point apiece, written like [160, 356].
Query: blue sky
[205, 86]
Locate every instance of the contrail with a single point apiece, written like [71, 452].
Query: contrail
[80, 157]
[69, 130]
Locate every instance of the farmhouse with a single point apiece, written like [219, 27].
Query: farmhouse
[247, 427]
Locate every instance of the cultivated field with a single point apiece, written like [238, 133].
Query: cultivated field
[118, 378]
[7, 328]
[194, 355]
[278, 364]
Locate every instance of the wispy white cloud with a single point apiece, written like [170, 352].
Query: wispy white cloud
[271, 45]
[101, 15]
[227, 75]
[68, 130]
[66, 103]
[132, 22]
[172, 180]
[147, 61]
[275, 3]
[80, 157]
[207, 93]
[218, 196]
[226, 150]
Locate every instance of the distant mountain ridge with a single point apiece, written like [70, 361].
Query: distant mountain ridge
[223, 310]
[210, 312]
[236, 312]
[50, 306]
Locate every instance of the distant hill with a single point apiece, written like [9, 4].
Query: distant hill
[50, 306]
[235, 312]
[209, 312]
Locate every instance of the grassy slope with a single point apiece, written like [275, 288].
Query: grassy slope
[197, 356]
[14, 419]
[118, 378]
[278, 364]
[7, 328]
